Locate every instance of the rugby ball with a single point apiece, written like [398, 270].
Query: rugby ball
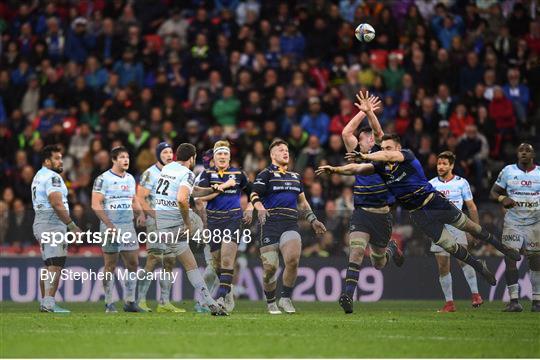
[364, 32]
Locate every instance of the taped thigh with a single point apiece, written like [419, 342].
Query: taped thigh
[447, 241]
[460, 221]
[358, 240]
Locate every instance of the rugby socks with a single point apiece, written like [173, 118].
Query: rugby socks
[166, 284]
[446, 286]
[512, 276]
[351, 278]
[462, 254]
[144, 285]
[286, 291]
[197, 281]
[130, 286]
[108, 284]
[535, 282]
[210, 277]
[225, 280]
[470, 276]
[270, 296]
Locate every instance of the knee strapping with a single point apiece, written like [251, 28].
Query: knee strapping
[271, 259]
[447, 241]
[460, 222]
[358, 242]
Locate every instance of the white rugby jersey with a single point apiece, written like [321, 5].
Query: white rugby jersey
[171, 178]
[524, 188]
[149, 181]
[118, 192]
[457, 189]
[45, 182]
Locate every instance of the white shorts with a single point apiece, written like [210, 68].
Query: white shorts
[515, 236]
[174, 240]
[459, 235]
[49, 250]
[153, 243]
[127, 243]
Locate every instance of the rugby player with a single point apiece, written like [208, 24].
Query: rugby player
[457, 190]
[174, 218]
[429, 210]
[371, 221]
[145, 194]
[114, 202]
[278, 196]
[518, 189]
[49, 199]
[224, 217]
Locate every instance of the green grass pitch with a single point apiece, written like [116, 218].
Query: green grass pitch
[383, 329]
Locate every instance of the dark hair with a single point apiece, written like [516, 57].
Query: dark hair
[394, 137]
[448, 155]
[185, 151]
[365, 129]
[115, 152]
[277, 142]
[47, 151]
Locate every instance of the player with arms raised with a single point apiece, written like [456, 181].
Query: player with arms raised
[174, 218]
[114, 202]
[224, 217]
[429, 210]
[457, 190]
[518, 189]
[145, 194]
[277, 195]
[49, 199]
[371, 221]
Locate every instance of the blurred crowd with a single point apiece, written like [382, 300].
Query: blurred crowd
[90, 75]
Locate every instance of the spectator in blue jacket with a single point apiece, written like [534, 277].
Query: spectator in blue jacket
[79, 43]
[471, 74]
[518, 93]
[316, 122]
[292, 41]
[128, 70]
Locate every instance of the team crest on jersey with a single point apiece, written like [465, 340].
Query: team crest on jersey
[266, 240]
[56, 181]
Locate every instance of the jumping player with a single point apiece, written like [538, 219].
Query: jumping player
[457, 190]
[224, 217]
[49, 199]
[174, 217]
[114, 202]
[278, 196]
[145, 194]
[371, 221]
[518, 189]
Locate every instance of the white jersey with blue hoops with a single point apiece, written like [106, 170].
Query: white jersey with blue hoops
[171, 178]
[45, 182]
[457, 189]
[118, 193]
[524, 188]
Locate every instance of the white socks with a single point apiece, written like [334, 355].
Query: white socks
[108, 286]
[144, 285]
[166, 285]
[197, 281]
[535, 282]
[470, 276]
[446, 285]
[130, 286]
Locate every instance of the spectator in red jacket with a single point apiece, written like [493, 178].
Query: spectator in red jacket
[339, 121]
[501, 111]
[459, 119]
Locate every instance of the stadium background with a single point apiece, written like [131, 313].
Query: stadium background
[459, 75]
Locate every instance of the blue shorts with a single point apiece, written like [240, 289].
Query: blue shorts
[434, 215]
[217, 229]
[271, 231]
[378, 226]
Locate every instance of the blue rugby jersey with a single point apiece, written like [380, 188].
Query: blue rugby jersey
[225, 206]
[406, 180]
[371, 191]
[278, 190]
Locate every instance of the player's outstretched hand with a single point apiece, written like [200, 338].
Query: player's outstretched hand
[355, 156]
[508, 203]
[248, 217]
[366, 102]
[318, 227]
[262, 215]
[325, 169]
